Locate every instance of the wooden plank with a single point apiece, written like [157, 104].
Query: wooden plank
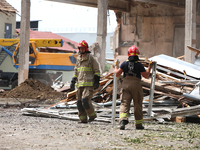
[104, 113]
[178, 119]
[110, 74]
[104, 87]
[103, 81]
[178, 83]
[166, 76]
[181, 57]
[186, 111]
[159, 87]
[70, 94]
[194, 49]
[175, 73]
[187, 106]
[109, 59]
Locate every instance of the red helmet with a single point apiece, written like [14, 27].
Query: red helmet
[83, 43]
[133, 51]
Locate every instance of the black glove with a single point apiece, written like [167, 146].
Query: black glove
[72, 85]
[96, 81]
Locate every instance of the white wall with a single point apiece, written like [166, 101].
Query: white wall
[90, 38]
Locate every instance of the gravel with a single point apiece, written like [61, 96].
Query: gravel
[20, 132]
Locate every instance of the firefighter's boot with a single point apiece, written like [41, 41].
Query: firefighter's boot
[91, 119]
[139, 127]
[122, 124]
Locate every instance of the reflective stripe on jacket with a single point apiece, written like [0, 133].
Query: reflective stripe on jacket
[85, 70]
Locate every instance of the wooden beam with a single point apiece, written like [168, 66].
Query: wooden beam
[146, 82]
[108, 76]
[188, 106]
[181, 57]
[187, 111]
[175, 73]
[194, 49]
[70, 94]
[164, 93]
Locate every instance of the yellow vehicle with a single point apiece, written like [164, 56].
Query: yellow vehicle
[39, 62]
[42, 60]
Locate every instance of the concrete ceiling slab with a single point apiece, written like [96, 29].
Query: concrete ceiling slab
[123, 5]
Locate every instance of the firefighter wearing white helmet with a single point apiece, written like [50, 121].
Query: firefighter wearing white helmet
[132, 88]
[87, 76]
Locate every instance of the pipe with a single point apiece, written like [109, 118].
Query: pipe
[153, 78]
[6, 50]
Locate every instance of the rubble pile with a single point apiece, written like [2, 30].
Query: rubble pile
[33, 89]
[176, 92]
[173, 89]
[170, 85]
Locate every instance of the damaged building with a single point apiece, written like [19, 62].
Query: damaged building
[156, 27]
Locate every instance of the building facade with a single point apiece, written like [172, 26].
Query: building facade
[8, 20]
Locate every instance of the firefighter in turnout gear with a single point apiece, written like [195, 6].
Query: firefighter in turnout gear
[87, 76]
[131, 87]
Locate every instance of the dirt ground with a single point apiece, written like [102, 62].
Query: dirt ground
[22, 132]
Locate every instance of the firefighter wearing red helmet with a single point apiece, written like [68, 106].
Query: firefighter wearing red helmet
[131, 87]
[84, 44]
[87, 76]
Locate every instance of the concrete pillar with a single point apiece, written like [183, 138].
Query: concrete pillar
[102, 31]
[24, 41]
[190, 29]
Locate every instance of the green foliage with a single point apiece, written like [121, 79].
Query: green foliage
[135, 140]
[106, 66]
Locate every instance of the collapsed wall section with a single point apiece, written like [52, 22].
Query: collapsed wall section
[154, 29]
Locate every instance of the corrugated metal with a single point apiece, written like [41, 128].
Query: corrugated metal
[190, 69]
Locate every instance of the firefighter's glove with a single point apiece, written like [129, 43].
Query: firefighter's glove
[72, 85]
[151, 63]
[116, 63]
[96, 82]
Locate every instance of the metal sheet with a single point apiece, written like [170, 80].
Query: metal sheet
[197, 61]
[168, 61]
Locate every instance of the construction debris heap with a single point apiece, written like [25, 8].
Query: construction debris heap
[34, 89]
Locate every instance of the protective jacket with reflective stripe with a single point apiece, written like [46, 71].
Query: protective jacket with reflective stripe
[85, 70]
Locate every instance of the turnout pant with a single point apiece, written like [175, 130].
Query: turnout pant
[84, 104]
[131, 89]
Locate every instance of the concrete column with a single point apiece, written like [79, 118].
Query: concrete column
[102, 31]
[24, 41]
[190, 29]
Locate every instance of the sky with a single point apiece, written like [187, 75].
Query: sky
[57, 17]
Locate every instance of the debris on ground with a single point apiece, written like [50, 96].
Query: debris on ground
[34, 89]
[175, 87]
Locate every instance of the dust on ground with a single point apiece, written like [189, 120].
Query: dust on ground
[21, 132]
[34, 89]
